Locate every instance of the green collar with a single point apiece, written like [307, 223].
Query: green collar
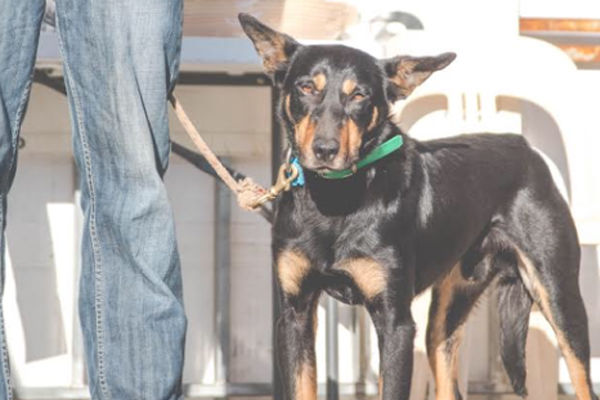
[384, 149]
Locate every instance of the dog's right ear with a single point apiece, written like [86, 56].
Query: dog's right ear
[405, 73]
[275, 48]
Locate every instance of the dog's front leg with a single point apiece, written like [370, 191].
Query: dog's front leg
[297, 325]
[296, 330]
[396, 332]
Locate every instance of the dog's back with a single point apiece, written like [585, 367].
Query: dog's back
[467, 182]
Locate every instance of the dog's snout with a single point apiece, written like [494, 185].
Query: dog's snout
[326, 149]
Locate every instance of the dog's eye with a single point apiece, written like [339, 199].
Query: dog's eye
[307, 88]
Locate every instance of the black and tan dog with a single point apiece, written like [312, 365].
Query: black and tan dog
[454, 214]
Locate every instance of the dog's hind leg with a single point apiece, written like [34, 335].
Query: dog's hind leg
[557, 295]
[539, 226]
[452, 300]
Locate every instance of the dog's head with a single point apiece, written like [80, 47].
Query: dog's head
[335, 99]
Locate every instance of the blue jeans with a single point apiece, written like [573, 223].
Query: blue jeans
[120, 62]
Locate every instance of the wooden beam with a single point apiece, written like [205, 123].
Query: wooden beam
[576, 37]
[582, 53]
[304, 19]
[560, 25]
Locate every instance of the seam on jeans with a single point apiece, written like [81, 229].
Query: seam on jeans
[98, 293]
[3, 347]
[5, 361]
[18, 120]
[14, 139]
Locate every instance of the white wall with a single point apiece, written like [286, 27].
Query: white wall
[42, 237]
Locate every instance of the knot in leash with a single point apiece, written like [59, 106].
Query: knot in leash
[250, 195]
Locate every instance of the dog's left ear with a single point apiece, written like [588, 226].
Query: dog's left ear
[275, 48]
[405, 73]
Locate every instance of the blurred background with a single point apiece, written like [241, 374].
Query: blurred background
[530, 67]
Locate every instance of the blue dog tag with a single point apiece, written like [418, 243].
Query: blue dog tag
[299, 181]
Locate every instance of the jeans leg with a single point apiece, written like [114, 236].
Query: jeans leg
[121, 59]
[20, 23]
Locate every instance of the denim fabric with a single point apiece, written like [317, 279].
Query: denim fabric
[120, 62]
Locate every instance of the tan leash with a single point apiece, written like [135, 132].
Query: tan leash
[250, 195]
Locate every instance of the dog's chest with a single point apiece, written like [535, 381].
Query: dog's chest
[353, 264]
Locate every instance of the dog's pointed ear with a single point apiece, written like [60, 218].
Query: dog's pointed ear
[405, 73]
[275, 48]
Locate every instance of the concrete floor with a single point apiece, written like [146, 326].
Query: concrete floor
[471, 397]
[511, 397]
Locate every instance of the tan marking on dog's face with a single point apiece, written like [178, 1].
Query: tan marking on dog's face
[288, 110]
[304, 135]
[306, 381]
[350, 141]
[443, 351]
[320, 80]
[368, 274]
[577, 369]
[348, 86]
[292, 268]
[374, 117]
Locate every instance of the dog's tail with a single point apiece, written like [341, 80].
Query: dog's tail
[514, 305]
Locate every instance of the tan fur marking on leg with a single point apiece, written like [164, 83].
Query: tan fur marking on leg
[576, 368]
[306, 382]
[368, 274]
[380, 386]
[442, 350]
[348, 86]
[315, 317]
[320, 81]
[374, 117]
[292, 268]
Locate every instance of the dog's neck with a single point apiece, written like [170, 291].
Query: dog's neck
[339, 197]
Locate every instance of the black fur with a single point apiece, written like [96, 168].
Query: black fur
[514, 305]
[476, 202]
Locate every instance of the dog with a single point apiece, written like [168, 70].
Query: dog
[456, 215]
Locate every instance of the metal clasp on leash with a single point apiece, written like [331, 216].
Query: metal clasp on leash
[287, 173]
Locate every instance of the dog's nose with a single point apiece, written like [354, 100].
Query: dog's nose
[326, 149]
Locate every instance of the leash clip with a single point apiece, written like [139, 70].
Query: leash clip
[287, 174]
